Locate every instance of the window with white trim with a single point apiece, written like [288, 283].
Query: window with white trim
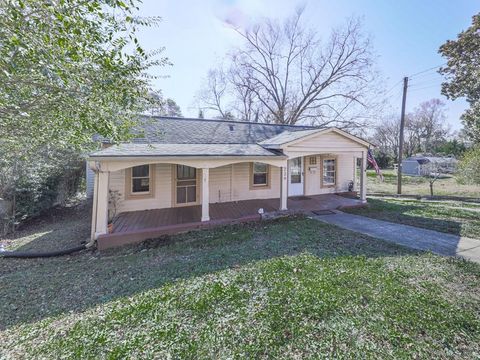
[259, 174]
[141, 179]
[329, 172]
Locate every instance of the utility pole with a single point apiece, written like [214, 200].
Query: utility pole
[402, 126]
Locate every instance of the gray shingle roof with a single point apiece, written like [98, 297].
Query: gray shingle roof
[167, 136]
[166, 130]
[132, 149]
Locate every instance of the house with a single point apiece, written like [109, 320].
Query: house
[181, 173]
[421, 165]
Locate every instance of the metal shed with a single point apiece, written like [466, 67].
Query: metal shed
[421, 165]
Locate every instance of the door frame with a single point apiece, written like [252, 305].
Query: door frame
[198, 179]
[302, 177]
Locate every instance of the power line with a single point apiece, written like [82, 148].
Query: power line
[425, 83]
[426, 70]
[426, 87]
[393, 87]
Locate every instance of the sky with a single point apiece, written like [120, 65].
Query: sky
[405, 36]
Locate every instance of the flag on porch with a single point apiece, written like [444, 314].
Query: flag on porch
[371, 160]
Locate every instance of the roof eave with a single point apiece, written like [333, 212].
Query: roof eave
[192, 156]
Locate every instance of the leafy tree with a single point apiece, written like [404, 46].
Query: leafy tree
[469, 167]
[461, 73]
[70, 69]
[451, 147]
[172, 108]
[163, 107]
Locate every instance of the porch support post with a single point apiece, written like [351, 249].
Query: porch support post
[355, 187]
[283, 187]
[363, 178]
[205, 194]
[102, 203]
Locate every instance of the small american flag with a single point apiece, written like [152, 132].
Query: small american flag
[371, 160]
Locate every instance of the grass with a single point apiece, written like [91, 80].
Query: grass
[417, 185]
[454, 217]
[59, 228]
[289, 288]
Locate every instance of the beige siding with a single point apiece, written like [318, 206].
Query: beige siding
[345, 173]
[325, 143]
[221, 184]
[241, 184]
[227, 183]
[163, 190]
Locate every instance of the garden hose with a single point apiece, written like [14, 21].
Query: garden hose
[32, 255]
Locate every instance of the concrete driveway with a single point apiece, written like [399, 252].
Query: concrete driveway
[410, 236]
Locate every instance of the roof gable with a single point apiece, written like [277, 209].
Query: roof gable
[291, 138]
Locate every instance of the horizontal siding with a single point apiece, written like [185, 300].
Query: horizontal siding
[220, 184]
[330, 142]
[163, 190]
[345, 174]
[241, 184]
[227, 183]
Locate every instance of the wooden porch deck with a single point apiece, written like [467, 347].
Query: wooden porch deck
[135, 226]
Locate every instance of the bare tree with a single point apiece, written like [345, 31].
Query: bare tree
[430, 118]
[425, 129]
[436, 170]
[213, 94]
[293, 76]
[386, 136]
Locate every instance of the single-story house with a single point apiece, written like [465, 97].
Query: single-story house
[422, 165]
[180, 173]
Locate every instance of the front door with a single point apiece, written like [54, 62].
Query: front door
[186, 185]
[295, 177]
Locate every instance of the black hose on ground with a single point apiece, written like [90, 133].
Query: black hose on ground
[32, 255]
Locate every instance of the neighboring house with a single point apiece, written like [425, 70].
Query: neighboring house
[182, 170]
[421, 165]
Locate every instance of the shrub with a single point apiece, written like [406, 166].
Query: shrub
[35, 183]
[469, 167]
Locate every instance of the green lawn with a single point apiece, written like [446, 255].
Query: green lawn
[454, 217]
[417, 185]
[289, 288]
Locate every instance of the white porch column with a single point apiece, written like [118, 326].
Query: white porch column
[355, 173]
[101, 195]
[283, 187]
[363, 178]
[205, 195]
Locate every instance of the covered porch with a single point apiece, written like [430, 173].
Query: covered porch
[136, 226]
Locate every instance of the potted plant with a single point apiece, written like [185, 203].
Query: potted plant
[113, 201]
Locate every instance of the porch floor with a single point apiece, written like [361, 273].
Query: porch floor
[135, 226]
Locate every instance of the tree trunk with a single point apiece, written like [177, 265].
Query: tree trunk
[431, 188]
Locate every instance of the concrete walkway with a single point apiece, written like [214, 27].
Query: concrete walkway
[410, 236]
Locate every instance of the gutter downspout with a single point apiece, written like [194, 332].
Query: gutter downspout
[93, 237]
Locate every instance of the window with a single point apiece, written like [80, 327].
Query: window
[186, 184]
[296, 170]
[329, 172]
[259, 174]
[313, 160]
[140, 179]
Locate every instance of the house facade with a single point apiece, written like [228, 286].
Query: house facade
[188, 164]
